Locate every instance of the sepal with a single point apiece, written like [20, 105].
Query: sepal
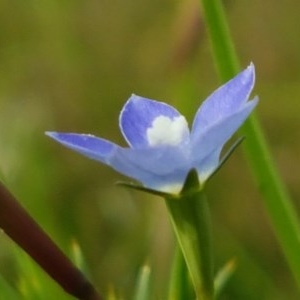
[191, 184]
[226, 156]
[141, 188]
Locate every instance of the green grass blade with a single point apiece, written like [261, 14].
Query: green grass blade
[276, 199]
[180, 286]
[142, 291]
[223, 276]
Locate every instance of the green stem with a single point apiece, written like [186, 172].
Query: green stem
[277, 201]
[191, 221]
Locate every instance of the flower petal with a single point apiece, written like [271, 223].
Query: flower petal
[154, 167]
[138, 115]
[225, 101]
[208, 165]
[214, 137]
[86, 144]
[162, 168]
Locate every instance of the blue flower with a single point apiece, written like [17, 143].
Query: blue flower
[162, 149]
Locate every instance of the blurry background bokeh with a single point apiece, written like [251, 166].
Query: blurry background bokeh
[70, 66]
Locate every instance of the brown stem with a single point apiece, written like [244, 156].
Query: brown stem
[24, 231]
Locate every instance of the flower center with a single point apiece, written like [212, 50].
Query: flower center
[167, 131]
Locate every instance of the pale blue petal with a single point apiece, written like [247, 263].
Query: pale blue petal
[153, 167]
[208, 164]
[137, 116]
[216, 136]
[86, 144]
[225, 101]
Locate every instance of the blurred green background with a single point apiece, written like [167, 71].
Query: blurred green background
[70, 66]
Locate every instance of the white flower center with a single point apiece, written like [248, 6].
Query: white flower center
[167, 131]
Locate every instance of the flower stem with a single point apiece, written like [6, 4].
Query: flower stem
[276, 199]
[191, 221]
[25, 232]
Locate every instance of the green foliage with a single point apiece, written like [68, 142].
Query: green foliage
[278, 203]
[70, 65]
[7, 291]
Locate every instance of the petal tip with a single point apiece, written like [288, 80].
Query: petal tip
[51, 134]
[251, 70]
[251, 66]
[134, 98]
[246, 78]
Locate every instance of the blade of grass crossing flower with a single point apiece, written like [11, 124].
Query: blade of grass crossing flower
[276, 199]
[142, 291]
[191, 222]
[180, 286]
